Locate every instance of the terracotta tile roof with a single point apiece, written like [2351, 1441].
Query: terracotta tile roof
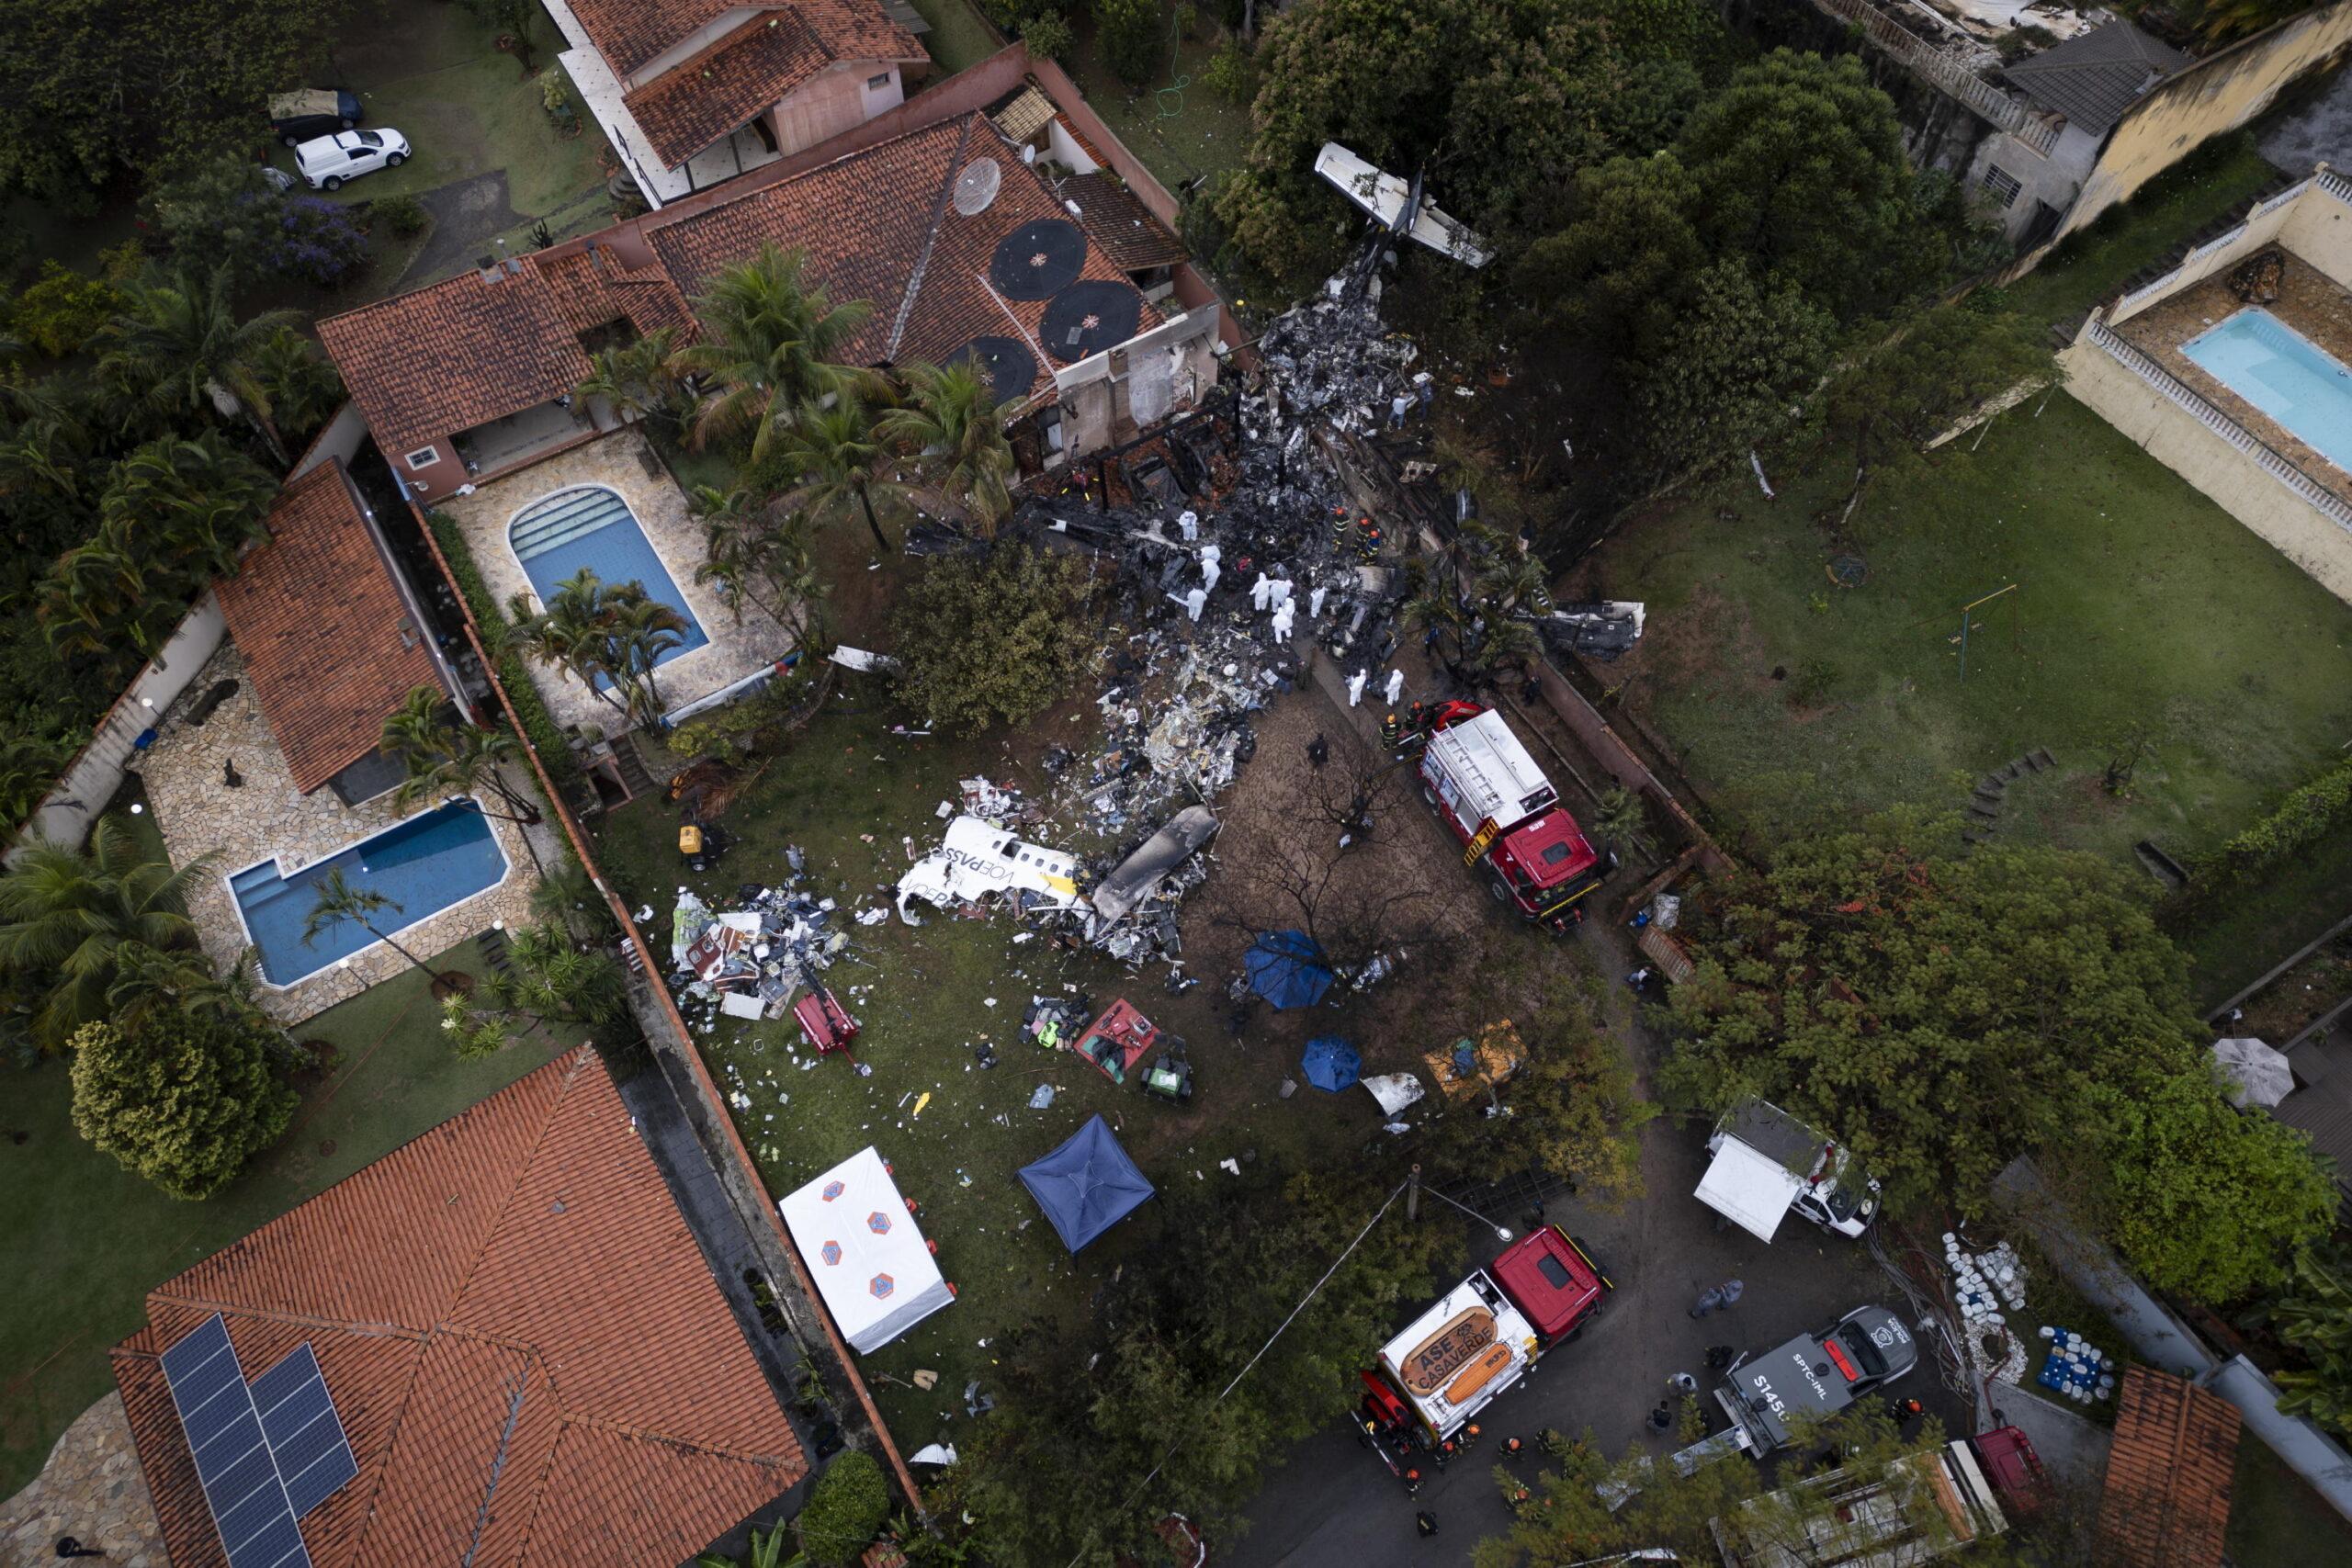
[630, 33]
[325, 632]
[2168, 1499]
[686, 109]
[1024, 113]
[879, 225]
[425, 364]
[511, 1394]
[1117, 219]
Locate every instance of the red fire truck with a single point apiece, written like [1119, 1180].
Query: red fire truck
[1482, 784]
[1422, 1396]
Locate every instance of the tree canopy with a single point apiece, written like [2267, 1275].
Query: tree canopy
[1946, 1014]
[91, 88]
[183, 1099]
[992, 643]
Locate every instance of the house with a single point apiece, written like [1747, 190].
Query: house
[2053, 114]
[962, 246]
[2167, 1499]
[332, 636]
[693, 93]
[499, 1344]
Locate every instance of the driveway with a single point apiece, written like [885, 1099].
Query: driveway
[465, 215]
[1334, 1503]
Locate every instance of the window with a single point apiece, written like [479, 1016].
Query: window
[369, 138]
[1555, 1273]
[875, 83]
[2000, 184]
[422, 457]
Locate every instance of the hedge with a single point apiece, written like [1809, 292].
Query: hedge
[2308, 813]
[539, 727]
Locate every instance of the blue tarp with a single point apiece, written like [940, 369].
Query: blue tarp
[1330, 1063]
[1287, 969]
[1086, 1186]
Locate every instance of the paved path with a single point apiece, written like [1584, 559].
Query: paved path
[92, 1490]
[465, 214]
[2319, 129]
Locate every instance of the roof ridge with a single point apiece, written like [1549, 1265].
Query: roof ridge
[590, 1422]
[930, 240]
[300, 1319]
[514, 1192]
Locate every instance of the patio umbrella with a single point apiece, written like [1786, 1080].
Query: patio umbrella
[1287, 969]
[1331, 1063]
[2253, 1073]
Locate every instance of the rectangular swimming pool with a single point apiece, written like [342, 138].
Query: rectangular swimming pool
[423, 865]
[2285, 375]
[593, 528]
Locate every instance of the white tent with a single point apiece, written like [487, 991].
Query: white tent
[864, 1250]
[2253, 1071]
[1749, 1186]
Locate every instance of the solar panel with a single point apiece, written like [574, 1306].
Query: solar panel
[266, 1453]
[305, 1434]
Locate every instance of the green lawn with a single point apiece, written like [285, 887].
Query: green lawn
[2214, 182]
[2142, 608]
[959, 36]
[1179, 128]
[87, 1239]
[926, 995]
[429, 70]
[2246, 937]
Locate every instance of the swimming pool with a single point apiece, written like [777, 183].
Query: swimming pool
[2285, 375]
[592, 527]
[423, 865]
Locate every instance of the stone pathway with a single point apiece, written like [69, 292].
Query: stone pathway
[1984, 810]
[92, 1490]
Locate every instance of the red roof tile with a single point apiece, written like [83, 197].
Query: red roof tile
[2167, 1499]
[1115, 218]
[425, 364]
[686, 108]
[326, 634]
[511, 1394]
[634, 33]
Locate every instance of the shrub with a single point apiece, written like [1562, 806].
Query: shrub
[183, 1100]
[1049, 35]
[403, 215]
[1130, 33]
[318, 240]
[539, 727]
[1188, 20]
[993, 644]
[1232, 74]
[845, 1509]
[1815, 680]
[63, 311]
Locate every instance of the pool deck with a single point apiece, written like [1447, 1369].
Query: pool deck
[2308, 301]
[267, 817]
[737, 648]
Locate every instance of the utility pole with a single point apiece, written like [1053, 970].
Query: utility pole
[1413, 1195]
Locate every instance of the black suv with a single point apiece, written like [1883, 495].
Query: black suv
[297, 118]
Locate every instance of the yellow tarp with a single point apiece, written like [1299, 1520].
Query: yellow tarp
[1494, 1056]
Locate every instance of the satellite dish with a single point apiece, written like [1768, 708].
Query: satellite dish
[1038, 260]
[975, 187]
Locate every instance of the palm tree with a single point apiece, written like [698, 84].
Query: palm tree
[771, 341]
[952, 426]
[179, 348]
[753, 557]
[634, 377]
[148, 979]
[337, 901]
[767, 1552]
[644, 629]
[839, 455]
[571, 632]
[71, 914]
[446, 753]
[303, 387]
[567, 896]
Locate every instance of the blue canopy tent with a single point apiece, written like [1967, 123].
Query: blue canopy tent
[1086, 1186]
[1287, 969]
[1330, 1063]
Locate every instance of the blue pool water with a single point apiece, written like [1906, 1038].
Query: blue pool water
[2285, 375]
[423, 865]
[594, 528]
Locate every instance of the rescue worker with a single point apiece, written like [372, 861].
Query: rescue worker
[1425, 1522]
[1389, 733]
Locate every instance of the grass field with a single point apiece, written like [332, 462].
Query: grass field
[2213, 183]
[2142, 612]
[958, 36]
[87, 1239]
[1181, 130]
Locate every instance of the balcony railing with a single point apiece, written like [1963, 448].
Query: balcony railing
[2332, 507]
[1947, 73]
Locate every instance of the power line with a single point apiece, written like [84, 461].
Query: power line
[1126, 1502]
